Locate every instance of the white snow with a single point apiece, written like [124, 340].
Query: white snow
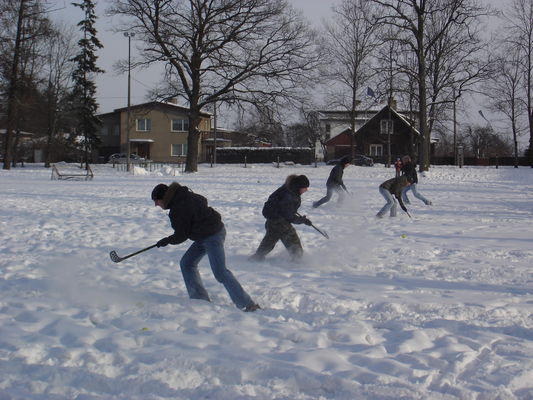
[444, 313]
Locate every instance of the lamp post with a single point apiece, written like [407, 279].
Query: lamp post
[129, 35]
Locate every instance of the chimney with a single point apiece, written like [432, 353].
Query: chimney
[393, 104]
[172, 100]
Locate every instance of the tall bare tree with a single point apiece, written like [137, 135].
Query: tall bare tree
[504, 89]
[520, 32]
[58, 69]
[350, 40]
[221, 50]
[18, 49]
[422, 25]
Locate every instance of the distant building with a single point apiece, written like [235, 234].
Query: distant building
[371, 135]
[158, 131]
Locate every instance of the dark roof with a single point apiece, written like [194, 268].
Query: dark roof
[153, 104]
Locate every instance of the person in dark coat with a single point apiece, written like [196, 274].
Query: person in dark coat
[192, 218]
[281, 211]
[409, 170]
[335, 183]
[390, 190]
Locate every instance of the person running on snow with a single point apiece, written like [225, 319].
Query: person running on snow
[390, 188]
[280, 211]
[398, 166]
[191, 218]
[409, 170]
[335, 183]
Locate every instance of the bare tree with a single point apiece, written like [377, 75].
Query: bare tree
[58, 68]
[18, 48]
[422, 25]
[222, 50]
[349, 42]
[520, 32]
[504, 88]
[307, 132]
[483, 142]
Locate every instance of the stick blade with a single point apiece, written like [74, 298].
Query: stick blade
[114, 256]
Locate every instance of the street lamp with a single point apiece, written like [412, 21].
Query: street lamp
[129, 35]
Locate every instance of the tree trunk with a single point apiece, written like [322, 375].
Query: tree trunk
[12, 92]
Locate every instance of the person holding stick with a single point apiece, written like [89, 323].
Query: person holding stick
[335, 184]
[390, 188]
[281, 211]
[192, 218]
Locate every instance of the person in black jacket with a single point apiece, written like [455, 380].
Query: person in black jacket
[280, 211]
[335, 183]
[390, 188]
[191, 218]
[409, 170]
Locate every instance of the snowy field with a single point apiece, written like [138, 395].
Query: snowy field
[442, 313]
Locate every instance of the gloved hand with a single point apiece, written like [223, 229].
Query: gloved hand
[163, 242]
[307, 221]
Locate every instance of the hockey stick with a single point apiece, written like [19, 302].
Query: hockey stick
[115, 257]
[323, 233]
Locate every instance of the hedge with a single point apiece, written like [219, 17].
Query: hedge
[254, 155]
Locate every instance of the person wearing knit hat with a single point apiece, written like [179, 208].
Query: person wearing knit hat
[281, 211]
[335, 183]
[192, 218]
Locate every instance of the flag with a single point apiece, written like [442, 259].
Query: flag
[370, 92]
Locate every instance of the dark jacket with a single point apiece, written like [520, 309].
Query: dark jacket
[395, 187]
[409, 170]
[335, 176]
[190, 216]
[284, 203]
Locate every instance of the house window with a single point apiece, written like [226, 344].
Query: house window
[376, 150]
[383, 126]
[116, 130]
[144, 124]
[103, 131]
[179, 150]
[180, 125]
[328, 128]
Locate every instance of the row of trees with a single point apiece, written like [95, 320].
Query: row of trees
[47, 81]
[428, 54]
[263, 54]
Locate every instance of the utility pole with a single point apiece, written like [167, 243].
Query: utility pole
[454, 129]
[129, 35]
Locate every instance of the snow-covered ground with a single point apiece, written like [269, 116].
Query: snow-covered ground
[442, 313]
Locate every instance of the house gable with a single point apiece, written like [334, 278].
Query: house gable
[372, 138]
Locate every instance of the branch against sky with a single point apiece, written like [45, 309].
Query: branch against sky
[423, 25]
[222, 50]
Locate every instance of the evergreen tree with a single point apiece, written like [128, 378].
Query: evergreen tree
[84, 102]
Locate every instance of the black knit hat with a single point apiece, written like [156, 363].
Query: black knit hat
[300, 181]
[159, 192]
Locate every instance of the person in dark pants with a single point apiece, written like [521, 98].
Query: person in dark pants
[335, 183]
[281, 211]
[191, 218]
[391, 189]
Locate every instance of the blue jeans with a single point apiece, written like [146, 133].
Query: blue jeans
[391, 203]
[214, 247]
[329, 193]
[419, 196]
